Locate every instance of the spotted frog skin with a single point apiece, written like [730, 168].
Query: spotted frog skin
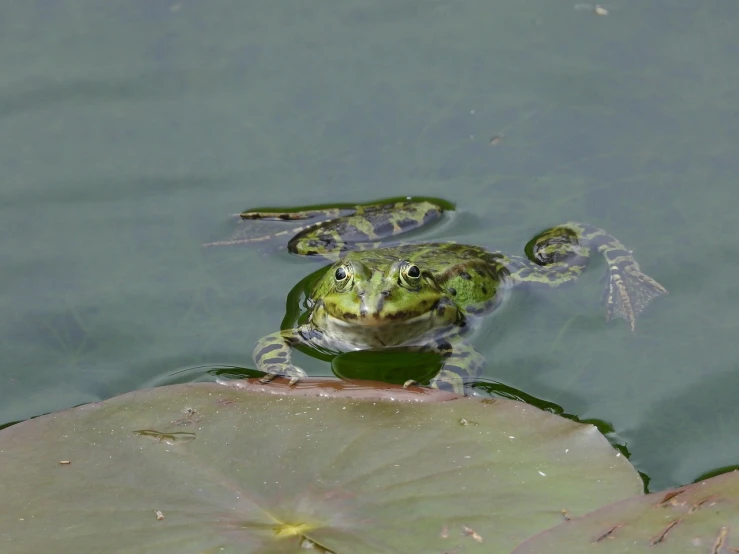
[425, 295]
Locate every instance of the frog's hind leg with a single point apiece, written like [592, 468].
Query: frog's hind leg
[336, 230]
[554, 257]
[364, 229]
[562, 254]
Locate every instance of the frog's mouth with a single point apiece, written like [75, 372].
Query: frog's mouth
[371, 331]
[381, 320]
[387, 329]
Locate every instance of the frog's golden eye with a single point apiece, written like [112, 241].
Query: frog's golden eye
[410, 274]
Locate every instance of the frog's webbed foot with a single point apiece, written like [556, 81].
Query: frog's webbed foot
[629, 291]
[241, 236]
[297, 215]
[252, 234]
[237, 239]
[289, 371]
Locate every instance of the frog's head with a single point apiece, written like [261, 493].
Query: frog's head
[372, 303]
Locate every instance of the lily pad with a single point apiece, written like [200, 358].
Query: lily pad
[204, 467]
[702, 517]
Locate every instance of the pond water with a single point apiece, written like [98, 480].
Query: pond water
[131, 130]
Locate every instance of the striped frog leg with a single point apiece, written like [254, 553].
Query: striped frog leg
[462, 363]
[272, 354]
[336, 230]
[364, 229]
[561, 254]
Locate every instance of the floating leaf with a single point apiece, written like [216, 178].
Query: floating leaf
[702, 517]
[204, 467]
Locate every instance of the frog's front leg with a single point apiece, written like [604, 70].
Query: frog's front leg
[272, 354]
[462, 363]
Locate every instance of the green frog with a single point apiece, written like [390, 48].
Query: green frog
[425, 296]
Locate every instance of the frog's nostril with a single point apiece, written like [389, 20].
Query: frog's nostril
[385, 293]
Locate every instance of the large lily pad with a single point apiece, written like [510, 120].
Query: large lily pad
[210, 468]
[697, 518]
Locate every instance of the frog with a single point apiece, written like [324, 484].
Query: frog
[382, 292]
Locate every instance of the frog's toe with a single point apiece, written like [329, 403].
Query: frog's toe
[629, 292]
[409, 383]
[292, 372]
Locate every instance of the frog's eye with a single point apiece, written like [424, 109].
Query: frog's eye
[343, 277]
[410, 275]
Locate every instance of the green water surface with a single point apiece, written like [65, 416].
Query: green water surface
[129, 131]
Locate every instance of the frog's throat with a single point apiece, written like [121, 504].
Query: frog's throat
[369, 332]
